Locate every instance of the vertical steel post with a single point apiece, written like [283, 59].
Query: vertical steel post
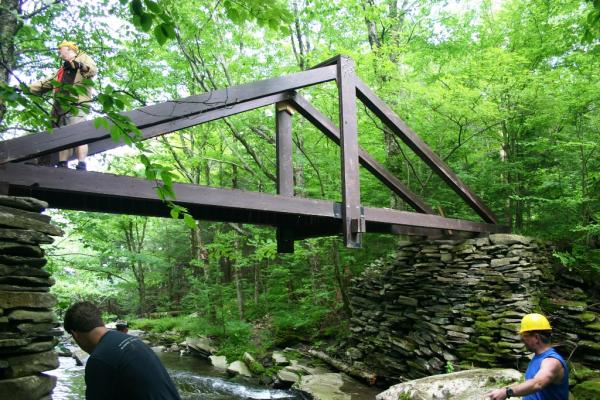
[353, 220]
[285, 169]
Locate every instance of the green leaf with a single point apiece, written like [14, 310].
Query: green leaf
[101, 122]
[166, 177]
[115, 133]
[161, 38]
[152, 6]
[136, 8]
[168, 30]
[189, 221]
[146, 21]
[174, 213]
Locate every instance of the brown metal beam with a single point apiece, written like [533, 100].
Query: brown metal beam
[285, 169]
[352, 219]
[396, 217]
[161, 129]
[32, 146]
[327, 126]
[412, 140]
[93, 191]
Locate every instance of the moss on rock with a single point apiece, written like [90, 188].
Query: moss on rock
[586, 317]
[588, 390]
[594, 327]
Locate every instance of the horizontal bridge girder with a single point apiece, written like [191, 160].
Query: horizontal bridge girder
[177, 111]
[94, 191]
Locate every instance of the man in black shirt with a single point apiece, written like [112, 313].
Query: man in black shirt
[120, 366]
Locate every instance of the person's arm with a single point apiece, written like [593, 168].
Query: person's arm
[86, 65]
[43, 86]
[549, 371]
[99, 380]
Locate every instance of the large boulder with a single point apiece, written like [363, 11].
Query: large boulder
[280, 359]
[464, 385]
[324, 386]
[200, 346]
[80, 356]
[239, 368]
[219, 362]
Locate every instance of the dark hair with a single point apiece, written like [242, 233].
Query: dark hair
[82, 317]
[545, 336]
[122, 325]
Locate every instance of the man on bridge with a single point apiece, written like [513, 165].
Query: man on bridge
[76, 66]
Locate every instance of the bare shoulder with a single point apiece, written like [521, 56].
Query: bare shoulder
[553, 366]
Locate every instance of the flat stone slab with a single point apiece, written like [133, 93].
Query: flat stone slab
[26, 214]
[508, 239]
[27, 281]
[22, 270]
[239, 367]
[27, 388]
[219, 362]
[30, 364]
[23, 203]
[26, 236]
[286, 375]
[20, 260]
[33, 316]
[80, 356]
[19, 288]
[20, 222]
[201, 345]
[26, 300]
[33, 347]
[20, 249]
[464, 385]
[280, 359]
[324, 386]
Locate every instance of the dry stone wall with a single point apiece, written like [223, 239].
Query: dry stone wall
[442, 305]
[28, 327]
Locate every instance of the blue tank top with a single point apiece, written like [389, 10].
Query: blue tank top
[554, 391]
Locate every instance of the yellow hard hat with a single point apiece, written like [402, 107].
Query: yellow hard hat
[70, 45]
[534, 322]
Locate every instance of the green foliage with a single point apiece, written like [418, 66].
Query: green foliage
[505, 93]
[298, 325]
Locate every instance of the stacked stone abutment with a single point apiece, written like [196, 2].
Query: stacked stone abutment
[28, 326]
[441, 305]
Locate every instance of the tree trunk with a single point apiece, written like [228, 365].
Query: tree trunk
[313, 261]
[239, 290]
[257, 282]
[142, 289]
[341, 281]
[10, 10]
[199, 253]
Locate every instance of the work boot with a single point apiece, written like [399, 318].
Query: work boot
[62, 164]
[81, 166]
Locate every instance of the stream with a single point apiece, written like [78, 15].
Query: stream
[194, 378]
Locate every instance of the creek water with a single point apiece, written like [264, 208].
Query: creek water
[195, 379]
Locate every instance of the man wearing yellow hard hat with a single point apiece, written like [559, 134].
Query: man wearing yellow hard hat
[547, 375]
[75, 67]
